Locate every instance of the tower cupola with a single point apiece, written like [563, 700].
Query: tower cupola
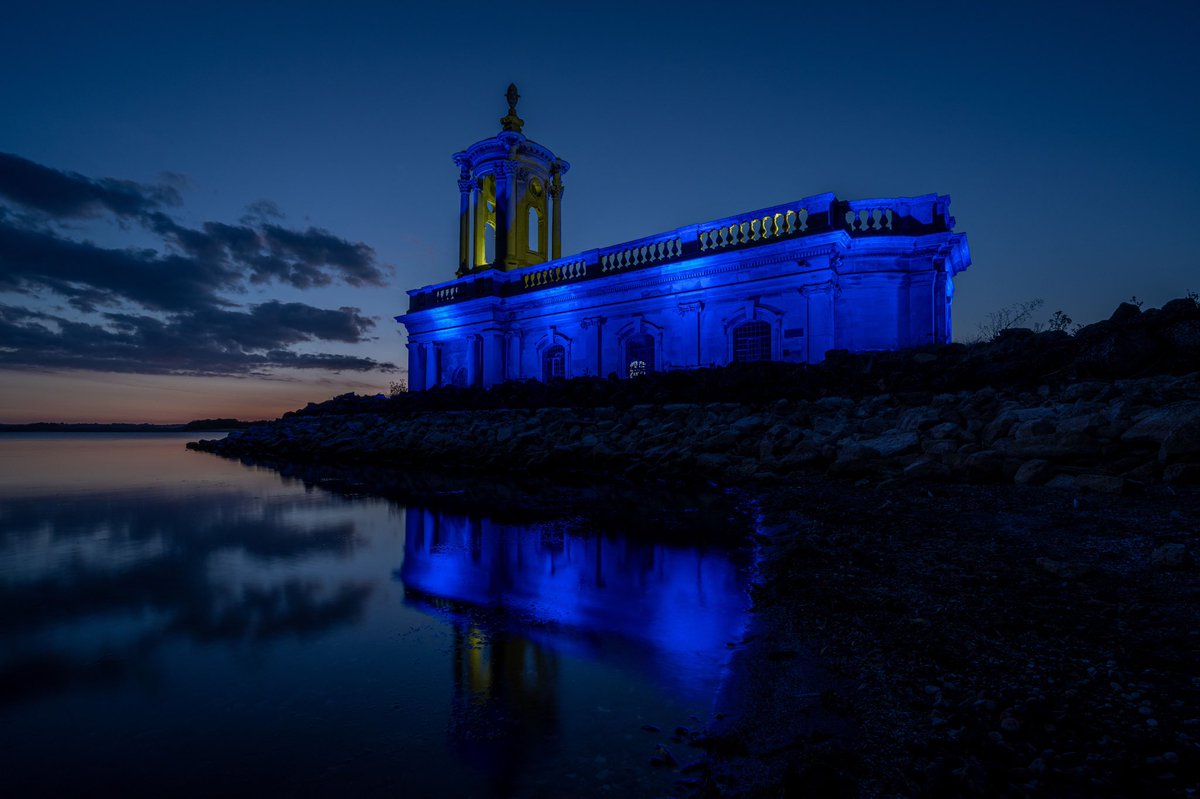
[510, 199]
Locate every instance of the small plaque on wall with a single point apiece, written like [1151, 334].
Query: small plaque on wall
[794, 332]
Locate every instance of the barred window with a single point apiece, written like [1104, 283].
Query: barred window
[554, 363]
[752, 342]
[639, 355]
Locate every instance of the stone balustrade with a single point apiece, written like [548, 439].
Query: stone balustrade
[557, 273]
[643, 252]
[811, 216]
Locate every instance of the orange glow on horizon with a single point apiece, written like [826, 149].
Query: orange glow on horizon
[103, 397]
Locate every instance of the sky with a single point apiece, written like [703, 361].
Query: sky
[215, 209]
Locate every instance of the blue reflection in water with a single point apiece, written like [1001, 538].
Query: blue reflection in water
[682, 604]
[177, 624]
[519, 597]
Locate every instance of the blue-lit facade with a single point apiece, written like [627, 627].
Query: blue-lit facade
[786, 283]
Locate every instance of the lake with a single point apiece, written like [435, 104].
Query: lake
[174, 623]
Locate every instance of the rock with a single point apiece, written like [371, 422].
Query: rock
[713, 462]
[850, 453]
[1064, 482]
[1084, 423]
[985, 466]
[939, 447]
[944, 430]
[918, 419]
[747, 423]
[1170, 556]
[1034, 472]
[1184, 337]
[926, 470]
[1086, 390]
[1153, 426]
[891, 444]
[1034, 428]
[1182, 443]
[1146, 473]
[1182, 474]
[1100, 483]
[664, 754]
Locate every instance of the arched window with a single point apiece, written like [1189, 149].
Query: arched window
[535, 229]
[752, 342]
[554, 363]
[489, 236]
[639, 355]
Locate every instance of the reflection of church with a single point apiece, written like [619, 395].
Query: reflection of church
[786, 283]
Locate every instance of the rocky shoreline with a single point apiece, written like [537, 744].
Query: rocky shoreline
[1108, 437]
[991, 549]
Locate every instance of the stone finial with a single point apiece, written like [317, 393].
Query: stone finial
[512, 121]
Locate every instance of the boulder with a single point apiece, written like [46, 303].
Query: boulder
[924, 469]
[984, 466]
[1034, 472]
[1182, 474]
[1153, 426]
[1182, 443]
[891, 444]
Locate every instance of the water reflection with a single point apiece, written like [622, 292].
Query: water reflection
[194, 626]
[148, 566]
[585, 591]
[520, 597]
[504, 712]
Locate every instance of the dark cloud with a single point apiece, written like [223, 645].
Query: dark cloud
[165, 309]
[39, 261]
[261, 211]
[211, 342]
[304, 259]
[67, 194]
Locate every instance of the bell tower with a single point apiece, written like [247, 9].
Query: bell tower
[510, 199]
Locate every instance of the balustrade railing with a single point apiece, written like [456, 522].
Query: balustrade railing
[820, 213]
[768, 227]
[640, 253]
[555, 274]
[872, 219]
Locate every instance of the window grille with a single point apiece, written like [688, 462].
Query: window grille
[752, 342]
[639, 354]
[554, 363]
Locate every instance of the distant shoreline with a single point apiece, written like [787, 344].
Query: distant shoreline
[199, 425]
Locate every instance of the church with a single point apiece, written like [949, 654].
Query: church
[786, 283]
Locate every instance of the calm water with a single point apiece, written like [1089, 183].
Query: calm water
[175, 623]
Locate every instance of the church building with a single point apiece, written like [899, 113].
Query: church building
[786, 283]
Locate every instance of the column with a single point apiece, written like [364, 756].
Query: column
[493, 357]
[464, 225]
[433, 353]
[598, 323]
[472, 360]
[416, 369]
[510, 222]
[515, 354]
[556, 190]
[481, 213]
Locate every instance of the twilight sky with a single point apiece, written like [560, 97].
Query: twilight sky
[214, 209]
